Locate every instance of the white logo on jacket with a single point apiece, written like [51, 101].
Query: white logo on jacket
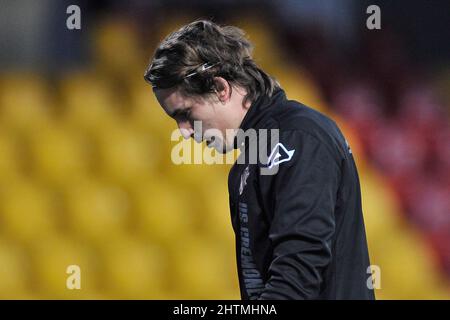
[244, 177]
[279, 154]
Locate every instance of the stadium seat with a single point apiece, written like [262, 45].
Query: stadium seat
[299, 86]
[134, 269]
[394, 245]
[11, 166]
[126, 153]
[59, 154]
[216, 220]
[94, 210]
[88, 101]
[50, 258]
[116, 49]
[25, 102]
[13, 271]
[199, 267]
[266, 50]
[162, 211]
[407, 256]
[27, 211]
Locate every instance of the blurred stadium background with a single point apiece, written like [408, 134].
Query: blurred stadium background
[85, 170]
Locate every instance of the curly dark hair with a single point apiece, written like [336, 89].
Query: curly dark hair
[192, 56]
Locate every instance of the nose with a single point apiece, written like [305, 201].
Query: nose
[186, 129]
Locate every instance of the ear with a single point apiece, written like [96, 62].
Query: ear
[222, 88]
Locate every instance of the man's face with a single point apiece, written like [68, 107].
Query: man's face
[215, 114]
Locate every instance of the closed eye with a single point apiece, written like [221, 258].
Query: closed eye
[182, 114]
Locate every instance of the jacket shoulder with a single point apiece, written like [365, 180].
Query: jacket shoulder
[295, 116]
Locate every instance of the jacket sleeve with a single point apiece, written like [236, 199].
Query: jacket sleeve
[303, 222]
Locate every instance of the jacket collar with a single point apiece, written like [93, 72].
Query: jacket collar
[259, 109]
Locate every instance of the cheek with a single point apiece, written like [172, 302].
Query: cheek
[210, 116]
[206, 119]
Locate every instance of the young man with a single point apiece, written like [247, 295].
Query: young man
[296, 211]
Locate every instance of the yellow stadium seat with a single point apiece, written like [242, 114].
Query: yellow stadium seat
[13, 271]
[299, 86]
[133, 269]
[408, 270]
[266, 50]
[116, 49]
[406, 265]
[10, 157]
[189, 174]
[172, 23]
[95, 210]
[89, 102]
[59, 154]
[163, 211]
[27, 210]
[25, 102]
[126, 154]
[216, 219]
[52, 276]
[202, 271]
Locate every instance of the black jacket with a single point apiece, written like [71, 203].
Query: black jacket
[299, 231]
